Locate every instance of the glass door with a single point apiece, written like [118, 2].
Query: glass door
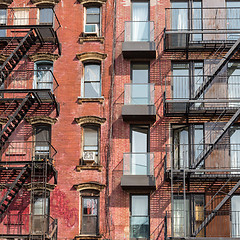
[139, 149]
[140, 21]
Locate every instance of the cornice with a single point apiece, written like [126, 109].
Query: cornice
[5, 2]
[43, 57]
[40, 186]
[45, 2]
[86, 56]
[41, 120]
[89, 120]
[92, 1]
[89, 186]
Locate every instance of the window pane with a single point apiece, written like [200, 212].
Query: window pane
[39, 204]
[140, 73]
[21, 17]
[90, 138]
[93, 10]
[90, 206]
[139, 205]
[93, 18]
[92, 72]
[44, 76]
[46, 16]
[3, 16]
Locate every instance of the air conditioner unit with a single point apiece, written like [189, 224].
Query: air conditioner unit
[91, 29]
[89, 156]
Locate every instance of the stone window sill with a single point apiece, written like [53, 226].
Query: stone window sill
[79, 168]
[91, 39]
[90, 237]
[82, 100]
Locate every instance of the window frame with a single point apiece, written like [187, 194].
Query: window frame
[130, 210]
[35, 80]
[3, 32]
[39, 15]
[83, 88]
[98, 130]
[100, 17]
[91, 194]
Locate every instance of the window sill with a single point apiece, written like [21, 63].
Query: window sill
[87, 237]
[82, 100]
[91, 39]
[79, 168]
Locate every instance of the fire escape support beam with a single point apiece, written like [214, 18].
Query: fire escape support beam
[209, 218]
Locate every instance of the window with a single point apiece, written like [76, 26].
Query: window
[235, 148]
[42, 141]
[188, 141]
[186, 79]
[180, 16]
[140, 88]
[140, 21]
[139, 218]
[3, 21]
[140, 156]
[233, 73]
[46, 16]
[44, 75]
[233, 20]
[90, 215]
[40, 211]
[92, 80]
[188, 219]
[235, 216]
[90, 144]
[21, 17]
[92, 21]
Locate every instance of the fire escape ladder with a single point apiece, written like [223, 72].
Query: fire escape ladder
[14, 189]
[217, 69]
[17, 54]
[209, 218]
[205, 153]
[17, 117]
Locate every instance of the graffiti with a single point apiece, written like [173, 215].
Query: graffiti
[60, 204]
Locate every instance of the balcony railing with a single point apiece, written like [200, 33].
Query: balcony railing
[200, 19]
[224, 158]
[22, 81]
[29, 16]
[139, 94]
[182, 224]
[223, 93]
[25, 151]
[138, 164]
[139, 227]
[27, 224]
[139, 31]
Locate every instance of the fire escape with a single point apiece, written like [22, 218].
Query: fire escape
[21, 164]
[203, 167]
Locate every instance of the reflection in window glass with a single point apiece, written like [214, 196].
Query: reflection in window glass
[45, 16]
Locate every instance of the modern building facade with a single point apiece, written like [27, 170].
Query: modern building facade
[119, 119]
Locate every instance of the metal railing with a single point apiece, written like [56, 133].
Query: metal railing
[139, 94]
[25, 151]
[225, 158]
[139, 227]
[197, 19]
[222, 93]
[22, 81]
[182, 224]
[139, 31]
[138, 164]
[29, 224]
[30, 16]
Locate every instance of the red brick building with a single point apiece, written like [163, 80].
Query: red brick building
[119, 119]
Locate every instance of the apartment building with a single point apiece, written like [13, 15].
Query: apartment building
[119, 119]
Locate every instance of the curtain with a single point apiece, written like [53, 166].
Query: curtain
[92, 80]
[44, 76]
[140, 21]
[235, 212]
[234, 148]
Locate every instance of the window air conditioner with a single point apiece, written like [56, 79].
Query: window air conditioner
[89, 156]
[91, 29]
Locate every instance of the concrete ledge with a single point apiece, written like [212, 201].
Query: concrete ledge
[139, 112]
[139, 49]
[138, 181]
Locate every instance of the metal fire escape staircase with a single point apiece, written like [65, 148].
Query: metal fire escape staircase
[206, 152]
[14, 120]
[14, 189]
[17, 54]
